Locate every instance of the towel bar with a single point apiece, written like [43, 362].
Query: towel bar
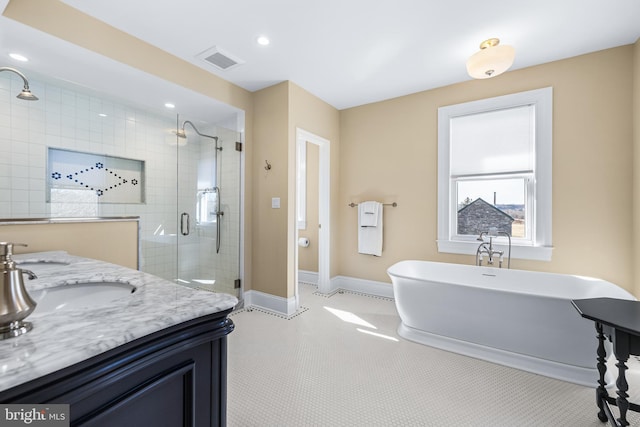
[394, 204]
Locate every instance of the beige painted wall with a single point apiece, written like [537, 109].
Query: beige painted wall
[308, 257]
[87, 239]
[269, 244]
[389, 152]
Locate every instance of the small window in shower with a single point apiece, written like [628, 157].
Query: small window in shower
[207, 206]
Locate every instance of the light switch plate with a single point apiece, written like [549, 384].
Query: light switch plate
[275, 202]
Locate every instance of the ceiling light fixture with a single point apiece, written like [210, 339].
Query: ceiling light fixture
[263, 40]
[169, 105]
[18, 57]
[491, 60]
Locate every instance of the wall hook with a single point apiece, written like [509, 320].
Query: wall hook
[268, 167]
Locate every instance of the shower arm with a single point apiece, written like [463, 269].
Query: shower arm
[198, 132]
[24, 79]
[26, 92]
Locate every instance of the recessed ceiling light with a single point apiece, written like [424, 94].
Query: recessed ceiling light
[102, 115]
[19, 57]
[169, 105]
[263, 40]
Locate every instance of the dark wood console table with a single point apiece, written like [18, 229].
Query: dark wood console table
[619, 320]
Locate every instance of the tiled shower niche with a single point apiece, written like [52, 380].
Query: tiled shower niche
[85, 178]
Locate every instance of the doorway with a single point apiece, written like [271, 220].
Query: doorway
[304, 139]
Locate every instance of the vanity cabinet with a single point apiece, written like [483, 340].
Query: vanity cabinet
[173, 377]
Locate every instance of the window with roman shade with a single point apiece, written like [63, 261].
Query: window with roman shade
[494, 171]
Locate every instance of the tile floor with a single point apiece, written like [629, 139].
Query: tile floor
[340, 362]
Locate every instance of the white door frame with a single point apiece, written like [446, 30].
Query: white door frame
[302, 137]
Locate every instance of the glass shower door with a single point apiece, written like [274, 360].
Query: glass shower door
[208, 207]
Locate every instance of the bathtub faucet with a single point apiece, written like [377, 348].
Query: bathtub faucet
[487, 249]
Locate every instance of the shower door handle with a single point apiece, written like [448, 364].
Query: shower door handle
[184, 230]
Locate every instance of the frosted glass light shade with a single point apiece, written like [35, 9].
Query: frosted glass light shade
[490, 61]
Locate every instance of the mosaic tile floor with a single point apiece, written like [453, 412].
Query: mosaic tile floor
[340, 362]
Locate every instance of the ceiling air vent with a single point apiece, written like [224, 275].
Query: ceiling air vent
[220, 59]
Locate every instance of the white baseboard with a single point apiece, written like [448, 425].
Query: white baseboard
[369, 287]
[364, 286]
[286, 306]
[308, 277]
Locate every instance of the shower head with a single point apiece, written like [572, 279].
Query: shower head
[25, 93]
[182, 134]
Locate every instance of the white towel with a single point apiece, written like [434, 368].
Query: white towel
[370, 237]
[368, 212]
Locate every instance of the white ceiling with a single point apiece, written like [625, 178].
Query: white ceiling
[346, 52]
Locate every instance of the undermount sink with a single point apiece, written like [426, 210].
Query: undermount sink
[39, 262]
[79, 295]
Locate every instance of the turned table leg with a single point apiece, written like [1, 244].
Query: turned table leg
[621, 350]
[623, 386]
[601, 391]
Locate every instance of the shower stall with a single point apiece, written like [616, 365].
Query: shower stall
[190, 228]
[208, 250]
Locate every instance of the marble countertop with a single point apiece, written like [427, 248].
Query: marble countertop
[64, 337]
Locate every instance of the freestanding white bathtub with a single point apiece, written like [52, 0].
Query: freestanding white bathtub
[516, 318]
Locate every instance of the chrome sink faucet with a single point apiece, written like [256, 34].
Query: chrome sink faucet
[488, 249]
[15, 301]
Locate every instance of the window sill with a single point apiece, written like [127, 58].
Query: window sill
[536, 253]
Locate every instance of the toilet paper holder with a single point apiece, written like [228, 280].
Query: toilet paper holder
[303, 242]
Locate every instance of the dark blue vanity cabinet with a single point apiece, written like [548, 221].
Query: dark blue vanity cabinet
[174, 377]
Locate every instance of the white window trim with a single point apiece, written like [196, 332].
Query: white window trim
[543, 100]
